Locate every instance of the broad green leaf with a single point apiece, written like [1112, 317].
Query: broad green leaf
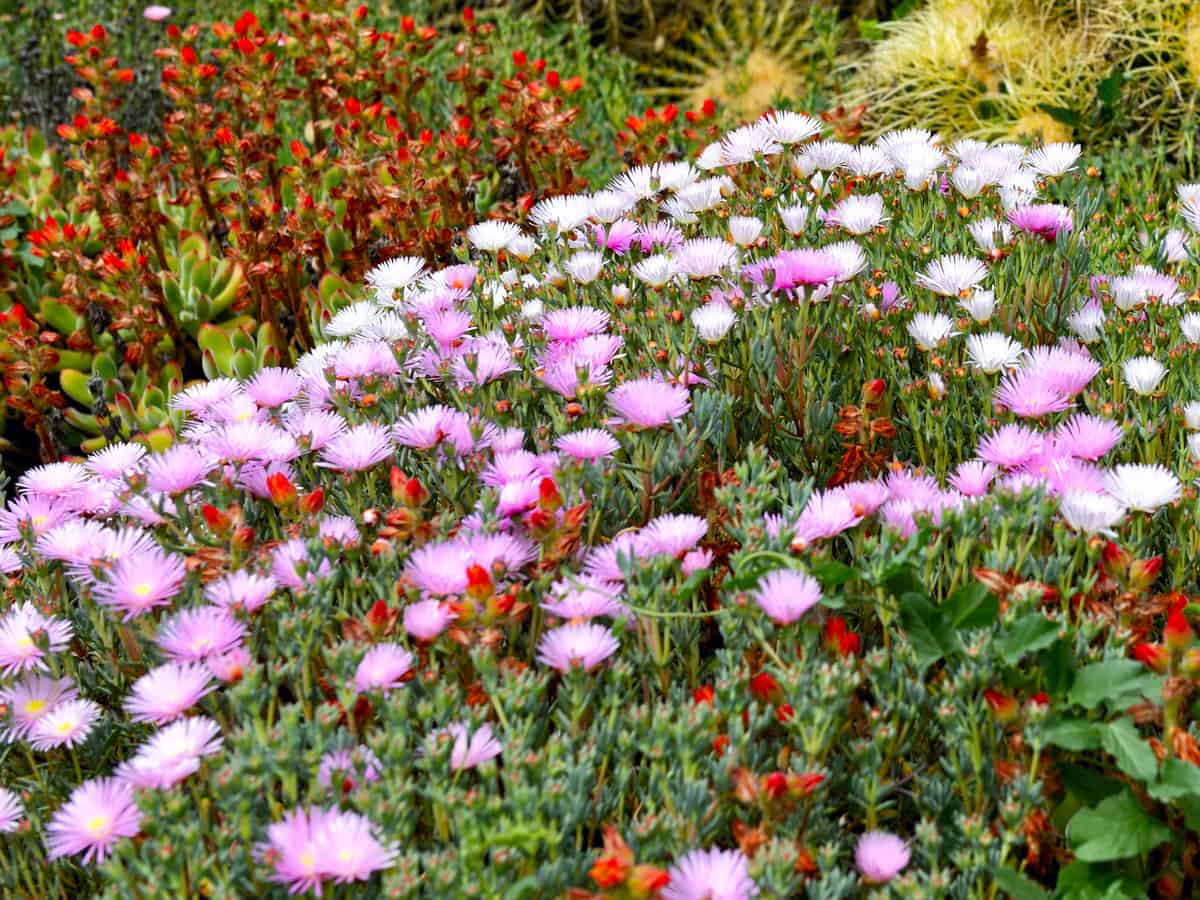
[1113, 680]
[1134, 756]
[1177, 779]
[832, 573]
[1018, 886]
[927, 630]
[1028, 634]
[1074, 734]
[1116, 829]
[971, 606]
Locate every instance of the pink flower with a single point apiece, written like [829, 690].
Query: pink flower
[1088, 437]
[172, 754]
[583, 645]
[583, 599]
[195, 634]
[156, 13]
[649, 402]
[1011, 446]
[710, 875]
[786, 595]
[358, 448]
[382, 668]
[471, 750]
[241, 590]
[141, 581]
[803, 268]
[427, 619]
[311, 846]
[166, 693]
[880, 856]
[11, 811]
[671, 535]
[26, 636]
[67, 724]
[1045, 220]
[973, 477]
[99, 813]
[1029, 394]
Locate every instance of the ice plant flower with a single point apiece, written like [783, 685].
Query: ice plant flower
[1142, 487]
[584, 645]
[1143, 374]
[98, 814]
[785, 595]
[993, 352]
[427, 619]
[382, 668]
[11, 811]
[710, 875]
[588, 445]
[1045, 220]
[649, 403]
[952, 276]
[195, 634]
[172, 754]
[31, 699]
[139, 582]
[242, 589]
[928, 330]
[167, 692]
[67, 724]
[26, 636]
[472, 749]
[312, 846]
[880, 856]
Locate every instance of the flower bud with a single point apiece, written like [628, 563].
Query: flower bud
[282, 491]
[1154, 656]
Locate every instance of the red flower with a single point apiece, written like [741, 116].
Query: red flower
[1153, 656]
[407, 25]
[708, 108]
[775, 785]
[519, 58]
[353, 106]
[608, 872]
[224, 136]
[704, 694]
[1178, 633]
[763, 686]
[553, 79]
[282, 491]
[721, 744]
[245, 22]
[76, 38]
[573, 84]
[1004, 708]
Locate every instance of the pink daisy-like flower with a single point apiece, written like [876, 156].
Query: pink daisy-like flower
[288, 560]
[98, 814]
[671, 535]
[582, 599]
[425, 428]
[142, 581]
[1011, 446]
[1088, 437]
[471, 750]
[1045, 220]
[241, 590]
[166, 693]
[155, 12]
[880, 856]
[356, 766]
[973, 477]
[825, 515]
[26, 636]
[74, 541]
[314, 428]
[54, 481]
[11, 811]
[1029, 395]
[360, 447]
[786, 595]
[116, 461]
[67, 724]
[803, 268]
[427, 619]
[229, 666]
[604, 563]
[1065, 370]
[33, 515]
[274, 386]
[312, 846]
[590, 444]
[574, 323]
[195, 634]
[172, 754]
[582, 644]
[649, 402]
[710, 875]
[177, 469]
[382, 668]
[31, 699]
[351, 850]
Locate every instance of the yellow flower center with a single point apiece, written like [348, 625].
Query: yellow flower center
[34, 706]
[142, 589]
[65, 726]
[97, 824]
[307, 860]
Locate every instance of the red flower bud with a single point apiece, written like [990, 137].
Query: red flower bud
[548, 496]
[1143, 572]
[708, 108]
[415, 494]
[1153, 656]
[243, 538]
[784, 712]
[1004, 708]
[573, 84]
[646, 881]
[98, 33]
[312, 502]
[407, 24]
[361, 12]
[76, 38]
[519, 59]
[479, 582]
[1178, 633]
[224, 136]
[721, 744]
[873, 390]
[670, 111]
[608, 872]
[282, 491]
[704, 694]
[763, 686]
[218, 521]
[539, 66]
[1114, 559]
[803, 785]
[775, 785]
[377, 617]
[353, 106]
[468, 15]
[553, 79]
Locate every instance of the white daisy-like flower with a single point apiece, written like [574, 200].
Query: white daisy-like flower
[1186, 193]
[953, 276]
[711, 157]
[1087, 322]
[980, 305]
[647, 182]
[1191, 416]
[824, 156]
[522, 247]
[493, 235]
[396, 274]
[1193, 442]
[353, 319]
[745, 229]
[858, 214]
[745, 144]
[584, 267]
[654, 271]
[701, 196]
[990, 233]
[1018, 189]
[1143, 374]
[564, 213]
[787, 127]
[930, 329]
[712, 321]
[705, 257]
[868, 161]
[1089, 512]
[1054, 159]
[849, 256]
[608, 206]
[1174, 246]
[969, 181]
[893, 142]
[937, 386]
[1190, 326]
[1142, 487]
[993, 352]
[794, 217]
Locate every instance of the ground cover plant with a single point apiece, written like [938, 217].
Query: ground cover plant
[804, 519]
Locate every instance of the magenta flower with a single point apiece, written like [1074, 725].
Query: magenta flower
[574, 323]
[710, 875]
[582, 599]
[99, 813]
[67, 724]
[661, 235]
[166, 693]
[880, 856]
[1045, 220]
[825, 515]
[156, 12]
[172, 754]
[360, 447]
[973, 477]
[582, 645]
[241, 590]
[471, 750]
[142, 581]
[31, 699]
[54, 481]
[77, 541]
[1067, 371]
[357, 766]
[26, 636]
[671, 535]
[177, 469]
[312, 846]
[195, 634]
[618, 237]
[427, 619]
[1011, 446]
[383, 667]
[786, 595]
[649, 402]
[425, 428]
[11, 811]
[1029, 394]
[273, 386]
[1088, 437]
[803, 268]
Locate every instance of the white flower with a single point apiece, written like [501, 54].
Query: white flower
[1087, 322]
[745, 229]
[1190, 326]
[850, 258]
[712, 321]
[1190, 210]
[1054, 159]
[522, 247]
[980, 305]
[937, 387]
[1174, 246]
[824, 156]
[928, 330]
[705, 257]
[1143, 374]
[868, 161]
[492, 235]
[952, 275]
[1089, 512]
[1142, 487]
[968, 181]
[565, 213]
[747, 143]
[584, 267]
[654, 271]
[858, 214]
[352, 320]
[790, 127]
[647, 182]
[608, 206]
[1193, 442]
[1188, 192]
[532, 310]
[993, 351]
[990, 233]
[396, 273]
[1191, 416]
[794, 217]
